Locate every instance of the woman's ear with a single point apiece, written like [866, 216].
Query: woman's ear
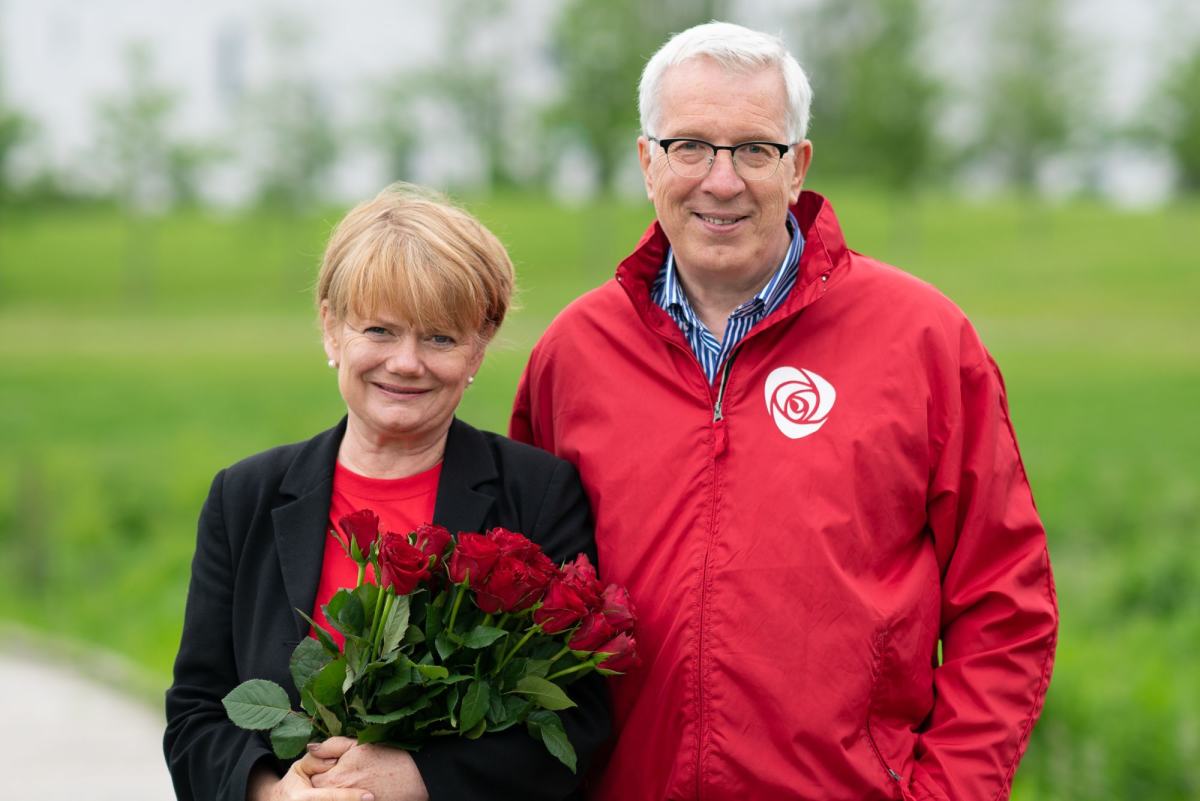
[329, 334]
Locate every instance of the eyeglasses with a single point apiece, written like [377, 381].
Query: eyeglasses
[693, 158]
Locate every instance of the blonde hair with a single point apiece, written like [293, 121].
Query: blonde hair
[412, 252]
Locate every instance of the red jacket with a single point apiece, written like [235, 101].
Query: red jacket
[797, 544]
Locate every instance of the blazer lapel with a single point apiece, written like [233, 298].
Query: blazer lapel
[463, 502]
[301, 524]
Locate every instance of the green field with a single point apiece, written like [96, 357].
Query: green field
[138, 358]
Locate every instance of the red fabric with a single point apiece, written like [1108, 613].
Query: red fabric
[401, 503]
[791, 592]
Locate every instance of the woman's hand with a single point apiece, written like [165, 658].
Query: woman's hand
[388, 773]
[296, 784]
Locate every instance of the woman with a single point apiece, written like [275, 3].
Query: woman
[410, 291]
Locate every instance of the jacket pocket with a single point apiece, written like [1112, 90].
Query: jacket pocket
[879, 647]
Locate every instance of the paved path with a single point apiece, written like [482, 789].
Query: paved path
[66, 737]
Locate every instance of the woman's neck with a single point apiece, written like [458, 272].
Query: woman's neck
[379, 456]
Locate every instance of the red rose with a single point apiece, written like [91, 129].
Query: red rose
[562, 608]
[512, 543]
[404, 565]
[431, 540]
[512, 586]
[580, 576]
[622, 652]
[521, 548]
[473, 557]
[593, 632]
[618, 608]
[363, 526]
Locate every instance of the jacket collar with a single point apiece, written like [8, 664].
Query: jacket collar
[822, 264]
[301, 522]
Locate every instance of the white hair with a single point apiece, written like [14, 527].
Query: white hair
[736, 49]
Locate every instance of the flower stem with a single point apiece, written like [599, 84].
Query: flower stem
[377, 636]
[567, 671]
[534, 629]
[459, 591]
[560, 654]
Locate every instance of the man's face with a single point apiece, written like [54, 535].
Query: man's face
[723, 229]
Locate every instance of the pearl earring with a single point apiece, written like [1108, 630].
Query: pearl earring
[470, 379]
[332, 363]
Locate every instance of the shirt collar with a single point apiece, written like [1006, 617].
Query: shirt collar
[672, 298]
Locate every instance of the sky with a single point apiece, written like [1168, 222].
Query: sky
[58, 57]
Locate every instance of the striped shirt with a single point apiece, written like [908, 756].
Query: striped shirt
[668, 294]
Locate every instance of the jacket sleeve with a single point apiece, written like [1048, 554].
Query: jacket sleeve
[511, 764]
[999, 615]
[521, 426]
[209, 758]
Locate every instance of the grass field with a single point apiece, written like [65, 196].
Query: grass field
[138, 358]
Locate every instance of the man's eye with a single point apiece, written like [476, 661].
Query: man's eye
[688, 146]
[753, 149]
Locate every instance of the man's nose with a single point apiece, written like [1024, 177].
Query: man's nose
[722, 179]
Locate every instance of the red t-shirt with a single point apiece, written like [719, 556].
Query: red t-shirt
[401, 503]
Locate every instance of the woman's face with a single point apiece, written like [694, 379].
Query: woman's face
[400, 383]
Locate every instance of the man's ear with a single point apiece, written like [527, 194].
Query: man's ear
[645, 147]
[801, 161]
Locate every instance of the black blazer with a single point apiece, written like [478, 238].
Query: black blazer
[258, 559]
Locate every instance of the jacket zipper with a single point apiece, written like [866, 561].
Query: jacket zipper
[718, 411]
[719, 445]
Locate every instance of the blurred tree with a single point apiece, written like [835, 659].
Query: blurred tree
[15, 128]
[391, 125]
[1030, 97]
[297, 141]
[1181, 127]
[875, 104]
[600, 49]
[147, 165]
[471, 81]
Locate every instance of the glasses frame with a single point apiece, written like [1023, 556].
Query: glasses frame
[716, 150]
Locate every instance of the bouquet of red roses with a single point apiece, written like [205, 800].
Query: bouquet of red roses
[460, 636]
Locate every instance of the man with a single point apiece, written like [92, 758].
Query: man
[801, 465]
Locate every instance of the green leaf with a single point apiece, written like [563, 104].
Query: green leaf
[414, 635]
[257, 704]
[322, 635]
[396, 682]
[482, 636]
[367, 595]
[548, 725]
[545, 694]
[538, 667]
[474, 705]
[395, 627]
[476, 731]
[373, 734]
[326, 687]
[356, 657]
[290, 735]
[433, 672]
[433, 617]
[351, 618]
[307, 661]
[444, 645]
[333, 724]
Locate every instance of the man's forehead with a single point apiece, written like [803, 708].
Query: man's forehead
[701, 94]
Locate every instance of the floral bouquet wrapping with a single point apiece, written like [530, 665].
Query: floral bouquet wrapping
[460, 636]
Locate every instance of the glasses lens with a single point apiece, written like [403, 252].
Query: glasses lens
[689, 158]
[755, 161]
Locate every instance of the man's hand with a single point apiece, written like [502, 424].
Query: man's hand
[296, 784]
[388, 773]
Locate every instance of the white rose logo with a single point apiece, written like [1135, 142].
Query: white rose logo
[798, 400]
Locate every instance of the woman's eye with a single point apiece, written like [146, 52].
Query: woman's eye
[376, 330]
[442, 340]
